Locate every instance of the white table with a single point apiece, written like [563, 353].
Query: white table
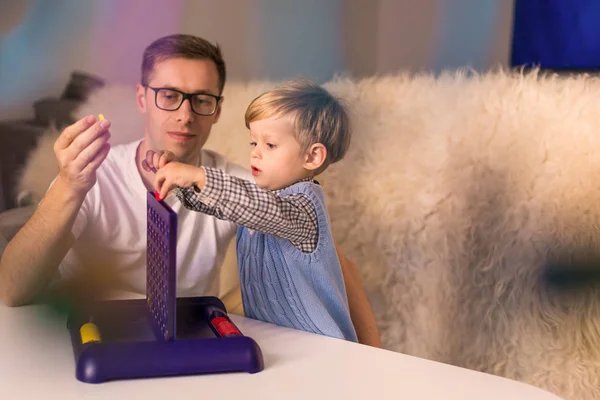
[36, 362]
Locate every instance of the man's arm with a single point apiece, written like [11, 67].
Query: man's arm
[32, 257]
[360, 309]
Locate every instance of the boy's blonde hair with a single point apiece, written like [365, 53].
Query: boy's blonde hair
[318, 116]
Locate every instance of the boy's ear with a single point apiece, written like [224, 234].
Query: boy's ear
[140, 97]
[315, 157]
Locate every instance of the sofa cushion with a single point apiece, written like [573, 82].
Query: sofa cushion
[52, 111]
[17, 139]
[3, 243]
[10, 223]
[12, 220]
[81, 85]
[456, 192]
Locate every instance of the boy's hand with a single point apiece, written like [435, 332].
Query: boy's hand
[174, 174]
[157, 159]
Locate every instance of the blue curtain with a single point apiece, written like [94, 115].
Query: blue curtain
[557, 34]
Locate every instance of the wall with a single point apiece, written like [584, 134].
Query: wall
[271, 39]
[103, 37]
[430, 35]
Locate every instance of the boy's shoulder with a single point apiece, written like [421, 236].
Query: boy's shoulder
[308, 188]
[304, 185]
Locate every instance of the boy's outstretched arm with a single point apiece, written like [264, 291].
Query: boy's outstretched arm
[245, 195]
[360, 309]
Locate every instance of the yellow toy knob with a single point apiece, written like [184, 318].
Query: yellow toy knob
[89, 333]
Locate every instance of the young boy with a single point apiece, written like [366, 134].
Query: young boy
[290, 274]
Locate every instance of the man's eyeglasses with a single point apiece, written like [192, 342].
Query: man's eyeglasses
[169, 99]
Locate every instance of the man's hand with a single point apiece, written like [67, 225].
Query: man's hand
[171, 174]
[79, 150]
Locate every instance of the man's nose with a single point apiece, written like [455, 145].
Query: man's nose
[185, 113]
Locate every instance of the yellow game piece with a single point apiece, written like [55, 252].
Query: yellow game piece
[100, 117]
[89, 333]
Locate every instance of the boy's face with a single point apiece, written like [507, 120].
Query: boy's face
[181, 131]
[276, 159]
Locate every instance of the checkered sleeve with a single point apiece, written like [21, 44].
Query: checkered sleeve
[291, 217]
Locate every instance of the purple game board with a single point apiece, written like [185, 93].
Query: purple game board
[161, 266]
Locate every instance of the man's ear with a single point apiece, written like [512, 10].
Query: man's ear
[315, 157]
[218, 112]
[140, 97]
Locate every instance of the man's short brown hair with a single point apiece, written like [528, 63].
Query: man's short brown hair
[182, 46]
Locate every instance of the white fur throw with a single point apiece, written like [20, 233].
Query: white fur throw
[456, 192]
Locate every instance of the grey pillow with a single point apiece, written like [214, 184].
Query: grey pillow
[12, 220]
[3, 243]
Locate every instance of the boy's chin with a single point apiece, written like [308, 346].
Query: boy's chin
[262, 183]
[272, 186]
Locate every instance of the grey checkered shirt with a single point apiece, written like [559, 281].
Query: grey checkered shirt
[230, 198]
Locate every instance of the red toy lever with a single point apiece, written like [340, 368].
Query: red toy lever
[225, 327]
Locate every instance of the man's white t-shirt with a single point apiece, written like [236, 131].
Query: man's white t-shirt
[110, 228]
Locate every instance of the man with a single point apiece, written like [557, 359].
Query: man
[94, 214]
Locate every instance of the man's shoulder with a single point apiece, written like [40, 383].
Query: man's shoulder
[211, 158]
[122, 152]
[118, 167]
[120, 160]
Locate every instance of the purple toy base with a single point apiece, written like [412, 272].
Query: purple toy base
[130, 348]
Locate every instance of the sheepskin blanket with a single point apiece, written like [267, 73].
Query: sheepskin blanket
[460, 193]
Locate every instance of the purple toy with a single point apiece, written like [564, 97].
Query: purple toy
[161, 335]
